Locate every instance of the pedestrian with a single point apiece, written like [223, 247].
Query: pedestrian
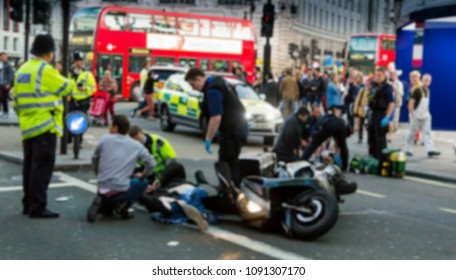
[360, 109]
[350, 97]
[225, 113]
[289, 93]
[324, 100]
[381, 106]
[421, 118]
[59, 67]
[258, 80]
[398, 91]
[6, 82]
[38, 92]
[240, 74]
[292, 136]
[114, 161]
[148, 91]
[301, 89]
[143, 75]
[305, 81]
[333, 94]
[84, 90]
[317, 87]
[271, 90]
[415, 82]
[109, 85]
[331, 125]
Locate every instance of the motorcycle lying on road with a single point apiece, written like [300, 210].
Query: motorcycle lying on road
[298, 197]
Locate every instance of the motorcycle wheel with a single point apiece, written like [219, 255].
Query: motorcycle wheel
[323, 216]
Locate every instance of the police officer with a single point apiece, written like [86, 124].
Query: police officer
[296, 129]
[85, 86]
[381, 105]
[330, 125]
[224, 112]
[38, 93]
[159, 148]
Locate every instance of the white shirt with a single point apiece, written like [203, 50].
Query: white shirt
[422, 111]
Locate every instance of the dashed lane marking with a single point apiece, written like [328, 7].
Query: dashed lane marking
[216, 232]
[448, 210]
[431, 182]
[19, 188]
[377, 195]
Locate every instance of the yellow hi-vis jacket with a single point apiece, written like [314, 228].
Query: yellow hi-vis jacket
[38, 92]
[88, 80]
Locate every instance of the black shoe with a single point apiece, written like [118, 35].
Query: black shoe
[94, 209]
[45, 214]
[347, 187]
[433, 153]
[409, 154]
[124, 211]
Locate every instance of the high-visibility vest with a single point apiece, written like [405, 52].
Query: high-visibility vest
[162, 151]
[38, 91]
[88, 80]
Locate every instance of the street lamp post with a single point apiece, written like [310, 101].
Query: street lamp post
[65, 64]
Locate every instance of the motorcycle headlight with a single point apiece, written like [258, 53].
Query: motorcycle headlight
[253, 207]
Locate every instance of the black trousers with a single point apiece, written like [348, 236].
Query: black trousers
[362, 121]
[376, 138]
[39, 160]
[230, 148]
[4, 98]
[336, 129]
[82, 106]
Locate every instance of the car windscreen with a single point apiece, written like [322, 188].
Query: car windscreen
[246, 92]
[163, 74]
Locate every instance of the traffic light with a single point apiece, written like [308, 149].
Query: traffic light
[16, 10]
[293, 9]
[41, 12]
[292, 50]
[267, 21]
[314, 48]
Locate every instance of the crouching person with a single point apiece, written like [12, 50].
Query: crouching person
[114, 160]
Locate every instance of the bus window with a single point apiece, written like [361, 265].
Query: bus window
[392, 44]
[188, 26]
[218, 65]
[204, 64]
[385, 44]
[164, 60]
[117, 70]
[136, 62]
[190, 62]
[140, 22]
[205, 26]
[242, 31]
[116, 21]
[165, 24]
[221, 29]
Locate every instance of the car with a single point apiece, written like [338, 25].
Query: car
[179, 104]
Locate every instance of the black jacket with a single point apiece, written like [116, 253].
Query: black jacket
[290, 137]
[317, 87]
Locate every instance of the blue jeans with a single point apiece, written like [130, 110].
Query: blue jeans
[304, 102]
[137, 188]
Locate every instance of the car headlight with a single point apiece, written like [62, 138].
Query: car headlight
[248, 115]
[253, 207]
[273, 115]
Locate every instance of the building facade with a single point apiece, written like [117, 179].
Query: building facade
[319, 28]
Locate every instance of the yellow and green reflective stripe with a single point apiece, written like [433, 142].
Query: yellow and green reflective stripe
[37, 127]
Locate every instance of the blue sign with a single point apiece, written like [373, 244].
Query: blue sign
[328, 60]
[77, 122]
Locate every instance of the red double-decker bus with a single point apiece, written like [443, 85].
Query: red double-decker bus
[365, 52]
[122, 39]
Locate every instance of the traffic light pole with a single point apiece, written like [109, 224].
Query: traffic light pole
[266, 61]
[65, 64]
[27, 29]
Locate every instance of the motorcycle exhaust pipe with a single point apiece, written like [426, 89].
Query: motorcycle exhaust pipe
[297, 209]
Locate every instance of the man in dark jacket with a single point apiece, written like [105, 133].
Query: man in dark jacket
[291, 137]
[224, 112]
[317, 87]
[6, 81]
[271, 90]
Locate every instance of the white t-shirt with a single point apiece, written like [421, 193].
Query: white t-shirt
[422, 111]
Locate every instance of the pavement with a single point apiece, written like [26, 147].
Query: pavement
[439, 168]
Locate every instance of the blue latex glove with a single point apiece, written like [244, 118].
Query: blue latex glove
[207, 146]
[338, 160]
[384, 122]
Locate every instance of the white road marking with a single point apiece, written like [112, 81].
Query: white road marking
[19, 188]
[431, 182]
[448, 210]
[365, 212]
[93, 181]
[377, 195]
[234, 238]
[76, 182]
